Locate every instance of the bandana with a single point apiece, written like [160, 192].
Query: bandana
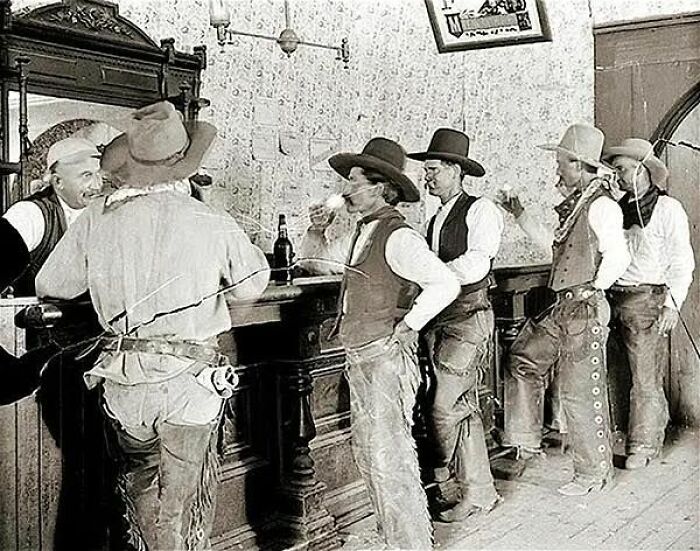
[122, 195]
[639, 211]
[569, 209]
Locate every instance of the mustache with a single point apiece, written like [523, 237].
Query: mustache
[347, 196]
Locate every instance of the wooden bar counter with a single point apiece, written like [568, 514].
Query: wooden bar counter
[287, 475]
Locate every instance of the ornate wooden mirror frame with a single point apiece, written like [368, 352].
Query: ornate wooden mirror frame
[84, 50]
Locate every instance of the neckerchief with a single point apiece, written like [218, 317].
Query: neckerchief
[639, 211]
[565, 208]
[124, 194]
[569, 210]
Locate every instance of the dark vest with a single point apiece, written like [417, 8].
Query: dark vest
[454, 236]
[576, 259]
[375, 297]
[54, 228]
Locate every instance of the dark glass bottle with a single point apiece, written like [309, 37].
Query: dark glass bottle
[283, 254]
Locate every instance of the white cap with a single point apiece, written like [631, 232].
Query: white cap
[71, 150]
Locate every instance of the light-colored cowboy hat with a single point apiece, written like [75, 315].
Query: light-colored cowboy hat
[642, 151]
[582, 142]
[157, 146]
[386, 157]
[450, 145]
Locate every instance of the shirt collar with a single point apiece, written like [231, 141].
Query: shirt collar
[448, 206]
[69, 211]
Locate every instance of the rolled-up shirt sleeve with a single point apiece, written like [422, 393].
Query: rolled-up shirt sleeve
[605, 219]
[64, 275]
[248, 269]
[409, 256]
[539, 234]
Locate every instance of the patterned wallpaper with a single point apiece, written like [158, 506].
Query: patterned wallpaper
[275, 113]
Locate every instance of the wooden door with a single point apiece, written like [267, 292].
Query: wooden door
[683, 162]
[647, 85]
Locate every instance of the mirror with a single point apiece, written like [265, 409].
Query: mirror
[51, 119]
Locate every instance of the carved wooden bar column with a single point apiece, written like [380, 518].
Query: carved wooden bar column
[303, 518]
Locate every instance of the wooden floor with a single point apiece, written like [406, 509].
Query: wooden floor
[655, 508]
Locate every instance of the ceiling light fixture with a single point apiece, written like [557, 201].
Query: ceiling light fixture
[220, 19]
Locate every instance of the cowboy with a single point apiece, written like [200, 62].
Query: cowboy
[647, 299]
[154, 261]
[465, 233]
[30, 228]
[589, 255]
[392, 286]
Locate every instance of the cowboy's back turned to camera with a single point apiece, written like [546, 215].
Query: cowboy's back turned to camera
[154, 262]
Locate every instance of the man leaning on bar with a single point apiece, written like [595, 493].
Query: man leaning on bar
[155, 261]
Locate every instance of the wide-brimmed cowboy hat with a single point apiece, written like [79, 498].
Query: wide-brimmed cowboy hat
[642, 151]
[450, 145]
[386, 157]
[582, 142]
[157, 146]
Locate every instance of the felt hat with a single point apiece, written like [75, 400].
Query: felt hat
[642, 151]
[583, 142]
[156, 146]
[453, 146]
[386, 157]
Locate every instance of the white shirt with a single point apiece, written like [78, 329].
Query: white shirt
[408, 256]
[661, 252]
[27, 219]
[485, 222]
[605, 219]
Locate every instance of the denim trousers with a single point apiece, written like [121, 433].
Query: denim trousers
[166, 468]
[635, 314]
[458, 345]
[570, 339]
[383, 379]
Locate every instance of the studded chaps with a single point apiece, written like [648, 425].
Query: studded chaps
[570, 339]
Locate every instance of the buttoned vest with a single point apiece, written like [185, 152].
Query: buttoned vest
[454, 235]
[375, 297]
[575, 259]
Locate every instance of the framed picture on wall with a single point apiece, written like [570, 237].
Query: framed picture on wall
[472, 24]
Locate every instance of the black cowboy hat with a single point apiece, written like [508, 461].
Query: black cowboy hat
[453, 146]
[386, 157]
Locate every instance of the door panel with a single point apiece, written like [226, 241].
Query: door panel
[642, 69]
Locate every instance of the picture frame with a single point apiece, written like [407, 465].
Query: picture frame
[473, 24]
